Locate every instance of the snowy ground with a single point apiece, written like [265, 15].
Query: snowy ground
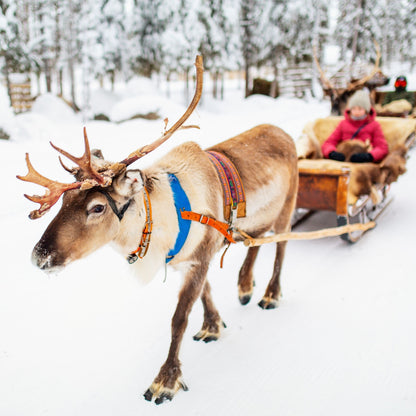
[90, 340]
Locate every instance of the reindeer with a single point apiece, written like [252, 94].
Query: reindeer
[339, 96]
[137, 211]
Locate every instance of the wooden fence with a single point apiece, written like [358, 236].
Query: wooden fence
[20, 96]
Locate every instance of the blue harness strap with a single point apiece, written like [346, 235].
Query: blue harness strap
[181, 204]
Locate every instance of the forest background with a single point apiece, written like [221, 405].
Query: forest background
[67, 44]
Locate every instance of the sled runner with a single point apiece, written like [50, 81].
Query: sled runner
[356, 193]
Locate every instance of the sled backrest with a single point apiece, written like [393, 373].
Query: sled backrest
[396, 130]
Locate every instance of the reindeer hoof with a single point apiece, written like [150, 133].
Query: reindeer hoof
[160, 393]
[209, 334]
[245, 299]
[268, 303]
[205, 338]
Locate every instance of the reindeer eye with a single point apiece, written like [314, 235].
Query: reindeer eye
[96, 209]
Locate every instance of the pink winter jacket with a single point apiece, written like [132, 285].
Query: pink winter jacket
[347, 127]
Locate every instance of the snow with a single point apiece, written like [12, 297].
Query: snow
[90, 340]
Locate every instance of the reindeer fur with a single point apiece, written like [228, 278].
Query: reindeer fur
[349, 147]
[393, 165]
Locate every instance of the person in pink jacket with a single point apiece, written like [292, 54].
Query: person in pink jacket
[359, 123]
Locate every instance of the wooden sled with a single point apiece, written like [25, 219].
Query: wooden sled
[327, 185]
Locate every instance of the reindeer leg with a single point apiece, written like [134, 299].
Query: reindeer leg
[245, 277]
[169, 380]
[211, 328]
[271, 297]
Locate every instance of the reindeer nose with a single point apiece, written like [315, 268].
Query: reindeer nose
[41, 258]
[44, 258]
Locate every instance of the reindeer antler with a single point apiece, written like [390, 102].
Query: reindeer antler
[84, 162]
[53, 192]
[362, 81]
[137, 154]
[87, 176]
[324, 80]
[55, 189]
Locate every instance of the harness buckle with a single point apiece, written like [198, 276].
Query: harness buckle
[233, 218]
[132, 258]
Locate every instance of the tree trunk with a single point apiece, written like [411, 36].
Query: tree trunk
[186, 93]
[247, 75]
[72, 82]
[61, 82]
[354, 45]
[48, 76]
[215, 84]
[113, 80]
[168, 85]
[273, 88]
[8, 83]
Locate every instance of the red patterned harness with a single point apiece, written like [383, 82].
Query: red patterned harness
[234, 197]
[232, 186]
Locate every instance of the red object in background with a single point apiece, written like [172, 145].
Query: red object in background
[400, 83]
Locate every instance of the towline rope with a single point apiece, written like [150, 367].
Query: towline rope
[308, 235]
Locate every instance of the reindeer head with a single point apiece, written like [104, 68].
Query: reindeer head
[94, 205]
[339, 96]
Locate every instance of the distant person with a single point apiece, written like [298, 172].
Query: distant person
[359, 123]
[400, 92]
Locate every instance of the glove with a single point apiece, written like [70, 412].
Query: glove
[337, 156]
[362, 158]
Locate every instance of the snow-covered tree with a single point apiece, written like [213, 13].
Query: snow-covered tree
[111, 41]
[43, 43]
[250, 35]
[275, 46]
[70, 54]
[406, 44]
[218, 43]
[13, 53]
[181, 41]
[149, 20]
[359, 24]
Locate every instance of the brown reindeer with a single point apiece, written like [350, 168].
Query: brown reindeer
[110, 203]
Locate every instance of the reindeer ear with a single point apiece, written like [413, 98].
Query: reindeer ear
[128, 184]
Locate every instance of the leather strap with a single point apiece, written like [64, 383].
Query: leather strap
[222, 227]
[119, 212]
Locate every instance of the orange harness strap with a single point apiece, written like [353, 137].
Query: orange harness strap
[222, 227]
[141, 250]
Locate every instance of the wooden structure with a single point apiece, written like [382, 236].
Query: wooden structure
[20, 96]
[295, 81]
[326, 184]
[292, 81]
